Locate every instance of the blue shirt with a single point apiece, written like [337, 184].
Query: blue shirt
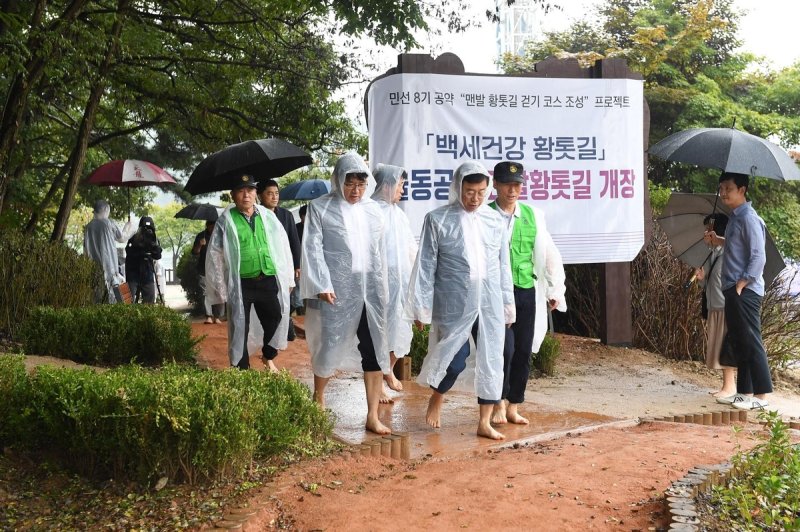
[745, 254]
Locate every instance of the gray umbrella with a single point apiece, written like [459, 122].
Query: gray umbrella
[682, 221]
[729, 150]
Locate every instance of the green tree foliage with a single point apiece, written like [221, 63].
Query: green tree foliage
[693, 78]
[87, 81]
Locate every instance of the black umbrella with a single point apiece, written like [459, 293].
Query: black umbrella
[307, 189]
[199, 211]
[682, 221]
[729, 150]
[263, 159]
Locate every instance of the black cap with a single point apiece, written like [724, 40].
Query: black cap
[246, 181]
[508, 172]
[146, 221]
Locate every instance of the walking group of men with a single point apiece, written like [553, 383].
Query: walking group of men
[483, 276]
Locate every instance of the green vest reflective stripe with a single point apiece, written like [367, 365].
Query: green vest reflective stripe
[254, 252]
[523, 238]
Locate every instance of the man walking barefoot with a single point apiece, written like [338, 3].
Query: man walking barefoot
[461, 285]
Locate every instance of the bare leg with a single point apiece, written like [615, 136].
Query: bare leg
[514, 417]
[390, 379]
[499, 413]
[319, 390]
[485, 426]
[728, 383]
[373, 382]
[433, 417]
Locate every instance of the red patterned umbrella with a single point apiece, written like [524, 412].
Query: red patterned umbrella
[129, 173]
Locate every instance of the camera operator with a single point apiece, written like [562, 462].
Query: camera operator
[142, 249]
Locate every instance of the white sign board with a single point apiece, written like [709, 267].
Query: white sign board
[580, 141]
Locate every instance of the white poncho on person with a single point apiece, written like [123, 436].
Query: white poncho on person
[463, 273]
[343, 253]
[100, 239]
[401, 250]
[223, 283]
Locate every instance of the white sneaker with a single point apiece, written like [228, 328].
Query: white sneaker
[752, 404]
[734, 399]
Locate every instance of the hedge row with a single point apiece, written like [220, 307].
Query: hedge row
[110, 335]
[135, 423]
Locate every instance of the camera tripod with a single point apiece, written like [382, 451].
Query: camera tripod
[150, 269]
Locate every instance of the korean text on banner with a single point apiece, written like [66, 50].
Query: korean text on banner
[580, 141]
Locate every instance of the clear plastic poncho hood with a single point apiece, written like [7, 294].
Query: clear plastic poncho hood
[343, 253]
[401, 250]
[462, 274]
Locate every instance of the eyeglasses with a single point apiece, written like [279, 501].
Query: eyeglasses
[355, 185]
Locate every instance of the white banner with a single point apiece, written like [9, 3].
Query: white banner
[580, 141]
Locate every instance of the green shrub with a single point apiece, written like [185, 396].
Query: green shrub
[419, 348]
[110, 335]
[190, 280]
[764, 493]
[545, 360]
[181, 422]
[35, 272]
[14, 396]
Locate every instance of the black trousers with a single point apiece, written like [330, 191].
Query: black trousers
[261, 293]
[743, 319]
[369, 360]
[518, 344]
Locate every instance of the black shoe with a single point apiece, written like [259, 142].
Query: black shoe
[291, 336]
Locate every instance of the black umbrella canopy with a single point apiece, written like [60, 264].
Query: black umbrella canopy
[199, 211]
[306, 190]
[263, 159]
[682, 221]
[729, 150]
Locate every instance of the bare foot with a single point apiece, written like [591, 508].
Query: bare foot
[434, 410]
[723, 393]
[208, 320]
[514, 417]
[385, 399]
[392, 382]
[272, 367]
[319, 398]
[499, 413]
[377, 427]
[486, 431]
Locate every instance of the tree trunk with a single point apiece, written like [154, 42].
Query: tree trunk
[78, 156]
[23, 82]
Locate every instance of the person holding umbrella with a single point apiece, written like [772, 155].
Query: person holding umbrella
[343, 280]
[270, 195]
[213, 312]
[249, 266]
[743, 287]
[99, 244]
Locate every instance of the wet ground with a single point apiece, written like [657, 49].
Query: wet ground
[345, 399]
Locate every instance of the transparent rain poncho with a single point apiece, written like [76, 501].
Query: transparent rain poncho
[343, 253]
[463, 273]
[99, 244]
[401, 250]
[224, 284]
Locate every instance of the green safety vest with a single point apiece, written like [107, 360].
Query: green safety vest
[254, 253]
[523, 238]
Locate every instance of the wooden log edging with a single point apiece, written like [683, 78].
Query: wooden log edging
[681, 496]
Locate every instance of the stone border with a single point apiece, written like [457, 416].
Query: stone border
[682, 494]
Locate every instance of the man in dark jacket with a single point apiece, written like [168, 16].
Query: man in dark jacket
[142, 249]
[269, 194]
